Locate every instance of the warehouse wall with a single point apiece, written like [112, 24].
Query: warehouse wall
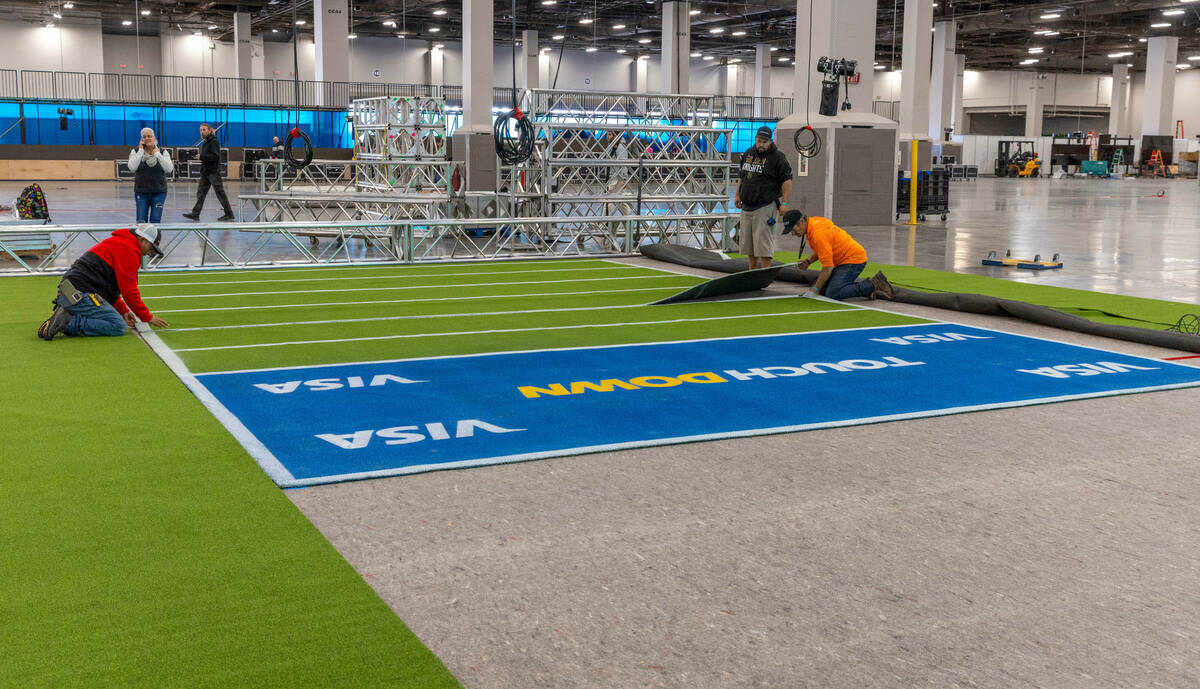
[74, 47]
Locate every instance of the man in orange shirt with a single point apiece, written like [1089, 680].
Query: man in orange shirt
[842, 259]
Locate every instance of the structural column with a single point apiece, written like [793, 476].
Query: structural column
[243, 68]
[1116, 112]
[641, 75]
[762, 76]
[941, 84]
[331, 28]
[477, 42]
[530, 63]
[676, 46]
[1034, 105]
[1159, 98]
[959, 122]
[436, 75]
[915, 66]
[840, 29]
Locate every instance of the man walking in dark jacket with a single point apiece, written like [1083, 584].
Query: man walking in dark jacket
[764, 179]
[99, 293]
[210, 175]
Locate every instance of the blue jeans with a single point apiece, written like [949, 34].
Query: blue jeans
[150, 206]
[93, 316]
[842, 283]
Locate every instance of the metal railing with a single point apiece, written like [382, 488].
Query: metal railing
[887, 108]
[255, 245]
[45, 85]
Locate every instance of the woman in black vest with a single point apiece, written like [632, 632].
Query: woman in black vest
[150, 166]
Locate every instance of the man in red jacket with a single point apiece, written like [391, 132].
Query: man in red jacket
[99, 293]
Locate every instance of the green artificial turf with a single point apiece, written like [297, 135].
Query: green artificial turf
[142, 547]
[417, 311]
[1095, 306]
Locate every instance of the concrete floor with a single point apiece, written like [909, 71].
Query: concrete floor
[1049, 546]
[1114, 236]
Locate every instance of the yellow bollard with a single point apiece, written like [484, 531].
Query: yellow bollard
[912, 186]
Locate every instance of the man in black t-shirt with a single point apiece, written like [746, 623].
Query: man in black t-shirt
[764, 178]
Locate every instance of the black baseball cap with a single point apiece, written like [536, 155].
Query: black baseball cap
[790, 219]
[764, 133]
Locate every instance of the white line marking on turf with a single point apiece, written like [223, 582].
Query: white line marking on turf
[372, 265]
[667, 276]
[378, 362]
[506, 330]
[635, 305]
[415, 301]
[654, 442]
[390, 277]
[265, 459]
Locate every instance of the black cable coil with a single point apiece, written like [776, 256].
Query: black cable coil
[810, 149]
[513, 149]
[287, 149]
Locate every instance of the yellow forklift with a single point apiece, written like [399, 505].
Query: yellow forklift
[1017, 159]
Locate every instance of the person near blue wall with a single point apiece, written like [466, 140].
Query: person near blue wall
[150, 166]
[210, 175]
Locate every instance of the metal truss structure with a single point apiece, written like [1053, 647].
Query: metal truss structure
[606, 107]
[256, 245]
[399, 128]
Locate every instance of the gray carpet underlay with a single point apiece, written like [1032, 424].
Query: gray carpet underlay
[1048, 546]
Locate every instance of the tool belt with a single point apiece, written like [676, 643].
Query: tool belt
[73, 296]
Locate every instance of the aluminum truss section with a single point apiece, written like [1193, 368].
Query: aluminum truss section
[605, 107]
[247, 245]
[397, 128]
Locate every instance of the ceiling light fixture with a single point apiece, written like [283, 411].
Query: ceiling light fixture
[734, 60]
[590, 49]
[1043, 32]
[1171, 13]
[618, 27]
[621, 51]
[716, 30]
[1030, 61]
[586, 20]
[783, 59]
[212, 26]
[1183, 66]
[145, 13]
[1160, 25]
[708, 57]
[57, 15]
[126, 22]
[549, 2]
[644, 41]
[351, 36]
[71, 5]
[1050, 33]
[274, 30]
[557, 37]
[1052, 15]
[773, 49]
[696, 54]
[49, 25]
[1120, 54]
[738, 33]
[389, 22]
[878, 67]
[438, 12]
[300, 22]
[1194, 58]
[695, 12]
[1036, 51]
[434, 29]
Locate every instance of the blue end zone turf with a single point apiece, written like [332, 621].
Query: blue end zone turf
[336, 423]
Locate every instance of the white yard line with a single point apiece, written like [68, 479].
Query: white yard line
[390, 289]
[416, 301]
[507, 330]
[269, 270]
[393, 277]
[634, 305]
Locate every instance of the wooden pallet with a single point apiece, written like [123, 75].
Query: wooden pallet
[1025, 264]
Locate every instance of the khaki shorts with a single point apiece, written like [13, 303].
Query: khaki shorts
[755, 236]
